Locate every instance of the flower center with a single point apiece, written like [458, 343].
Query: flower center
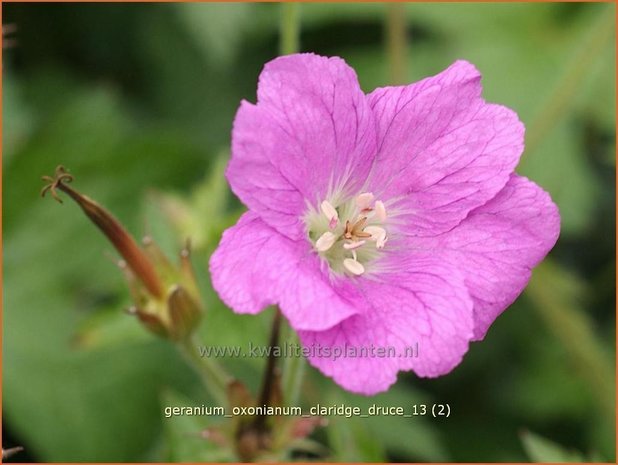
[348, 234]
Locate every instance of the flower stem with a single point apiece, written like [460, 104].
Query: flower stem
[289, 37]
[214, 378]
[397, 46]
[268, 382]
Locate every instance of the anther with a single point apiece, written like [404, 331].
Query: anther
[353, 266]
[380, 210]
[363, 201]
[353, 245]
[330, 212]
[325, 241]
[376, 232]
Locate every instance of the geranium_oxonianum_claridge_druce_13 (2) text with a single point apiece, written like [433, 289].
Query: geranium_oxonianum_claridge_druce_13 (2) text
[390, 220]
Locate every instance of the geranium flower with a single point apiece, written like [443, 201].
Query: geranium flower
[391, 220]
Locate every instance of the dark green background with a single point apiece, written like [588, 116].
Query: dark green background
[137, 101]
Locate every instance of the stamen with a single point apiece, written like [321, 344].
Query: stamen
[343, 239]
[353, 245]
[363, 201]
[376, 232]
[380, 210]
[329, 211]
[353, 266]
[325, 241]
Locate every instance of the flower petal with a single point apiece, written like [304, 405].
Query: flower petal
[311, 132]
[442, 151]
[255, 266]
[426, 306]
[499, 243]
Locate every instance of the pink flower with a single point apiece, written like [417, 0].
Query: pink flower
[391, 220]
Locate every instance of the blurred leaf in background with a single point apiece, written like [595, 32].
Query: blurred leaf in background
[541, 450]
[138, 101]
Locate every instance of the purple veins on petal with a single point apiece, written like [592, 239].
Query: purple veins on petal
[392, 219]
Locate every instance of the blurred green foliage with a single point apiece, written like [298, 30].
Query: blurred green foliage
[138, 101]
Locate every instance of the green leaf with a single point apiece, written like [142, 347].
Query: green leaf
[540, 449]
